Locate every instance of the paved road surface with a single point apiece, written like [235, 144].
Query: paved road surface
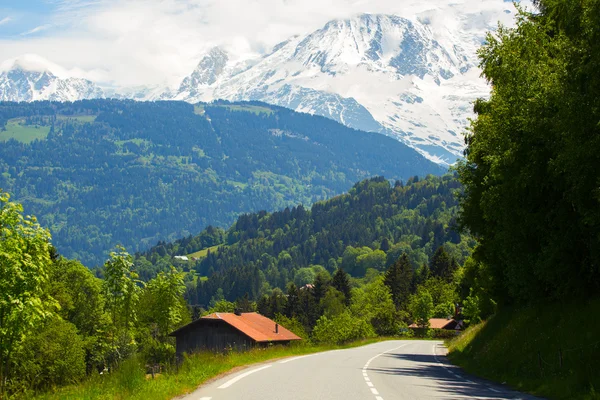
[404, 370]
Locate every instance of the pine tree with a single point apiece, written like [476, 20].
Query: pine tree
[320, 285]
[292, 307]
[399, 279]
[385, 245]
[441, 265]
[341, 282]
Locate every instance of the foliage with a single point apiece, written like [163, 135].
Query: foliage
[471, 309]
[24, 266]
[52, 355]
[129, 383]
[399, 278]
[548, 350]
[342, 328]
[421, 307]
[531, 183]
[269, 250]
[146, 172]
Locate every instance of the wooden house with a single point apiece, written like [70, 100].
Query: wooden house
[230, 331]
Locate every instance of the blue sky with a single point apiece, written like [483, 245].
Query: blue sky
[138, 42]
[18, 17]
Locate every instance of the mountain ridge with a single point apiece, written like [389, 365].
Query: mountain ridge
[374, 72]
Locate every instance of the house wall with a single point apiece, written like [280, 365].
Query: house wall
[212, 335]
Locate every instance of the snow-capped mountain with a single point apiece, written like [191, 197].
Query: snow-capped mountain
[31, 78]
[406, 78]
[378, 73]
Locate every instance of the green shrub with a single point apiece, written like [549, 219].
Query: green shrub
[341, 329]
[55, 355]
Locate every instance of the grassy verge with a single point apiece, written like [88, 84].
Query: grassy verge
[550, 351]
[130, 382]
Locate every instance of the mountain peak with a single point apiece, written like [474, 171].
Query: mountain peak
[31, 77]
[210, 67]
[33, 63]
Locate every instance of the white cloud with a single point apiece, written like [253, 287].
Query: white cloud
[5, 20]
[155, 41]
[36, 30]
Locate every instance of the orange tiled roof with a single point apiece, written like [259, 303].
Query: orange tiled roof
[256, 326]
[436, 323]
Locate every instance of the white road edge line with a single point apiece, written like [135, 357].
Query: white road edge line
[287, 360]
[242, 376]
[494, 390]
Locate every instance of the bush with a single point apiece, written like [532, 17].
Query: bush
[341, 329]
[55, 355]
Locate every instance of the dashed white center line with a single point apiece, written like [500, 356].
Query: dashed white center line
[205, 398]
[366, 376]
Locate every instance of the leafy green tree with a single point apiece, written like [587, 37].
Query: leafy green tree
[332, 303]
[304, 276]
[341, 329]
[471, 309]
[24, 266]
[374, 259]
[373, 303]
[399, 279]
[421, 307]
[531, 171]
[166, 308]
[80, 296]
[53, 354]
[122, 295]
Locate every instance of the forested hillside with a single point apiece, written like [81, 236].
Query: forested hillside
[105, 172]
[396, 241]
[363, 232]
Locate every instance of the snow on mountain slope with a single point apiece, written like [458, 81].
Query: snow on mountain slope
[411, 78]
[31, 78]
[378, 73]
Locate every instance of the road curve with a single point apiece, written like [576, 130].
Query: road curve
[391, 370]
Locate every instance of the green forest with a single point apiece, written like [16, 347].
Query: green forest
[101, 173]
[510, 237]
[360, 265]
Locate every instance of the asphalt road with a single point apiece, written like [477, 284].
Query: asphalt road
[381, 371]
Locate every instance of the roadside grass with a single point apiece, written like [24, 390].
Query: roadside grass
[131, 382]
[202, 253]
[550, 351]
[16, 129]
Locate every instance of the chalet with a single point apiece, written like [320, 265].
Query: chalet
[442, 323]
[239, 331]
